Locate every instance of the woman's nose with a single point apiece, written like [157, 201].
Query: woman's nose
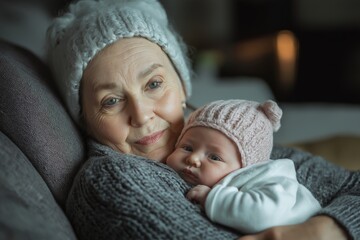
[194, 160]
[141, 112]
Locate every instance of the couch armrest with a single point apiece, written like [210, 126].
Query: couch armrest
[33, 117]
[28, 210]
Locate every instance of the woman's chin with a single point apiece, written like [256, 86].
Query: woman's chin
[160, 156]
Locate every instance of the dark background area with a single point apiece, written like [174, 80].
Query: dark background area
[241, 36]
[327, 33]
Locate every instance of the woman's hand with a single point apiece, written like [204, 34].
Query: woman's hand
[198, 194]
[317, 228]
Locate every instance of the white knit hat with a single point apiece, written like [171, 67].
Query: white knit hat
[90, 25]
[250, 125]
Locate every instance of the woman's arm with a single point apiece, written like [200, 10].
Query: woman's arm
[316, 228]
[337, 190]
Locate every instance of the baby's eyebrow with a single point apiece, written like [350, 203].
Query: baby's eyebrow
[149, 70]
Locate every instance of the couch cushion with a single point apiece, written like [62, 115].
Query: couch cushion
[33, 117]
[28, 210]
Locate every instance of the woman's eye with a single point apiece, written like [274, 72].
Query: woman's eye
[214, 157]
[154, 84]
[111, 102]
[187, 148]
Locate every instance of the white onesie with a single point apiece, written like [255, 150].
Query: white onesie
[261, 196]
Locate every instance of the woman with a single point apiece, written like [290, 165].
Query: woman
[124, 77]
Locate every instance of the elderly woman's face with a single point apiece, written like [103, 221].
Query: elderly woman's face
[132, 99]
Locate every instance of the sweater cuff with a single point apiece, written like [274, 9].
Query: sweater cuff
[342, 209]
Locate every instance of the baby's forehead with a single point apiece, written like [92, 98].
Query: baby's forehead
[206, 135]
[211, 140]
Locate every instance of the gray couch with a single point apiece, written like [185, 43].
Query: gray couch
[40, 150]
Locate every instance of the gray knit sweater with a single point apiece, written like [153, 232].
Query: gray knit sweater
[118, 196]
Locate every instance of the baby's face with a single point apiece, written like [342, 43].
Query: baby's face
[204, 156]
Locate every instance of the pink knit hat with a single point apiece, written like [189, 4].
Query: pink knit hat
[249, 124]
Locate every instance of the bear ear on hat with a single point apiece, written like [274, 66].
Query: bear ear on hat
[273, 112]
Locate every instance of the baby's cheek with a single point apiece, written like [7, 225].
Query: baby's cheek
[210, 176]
[171, 160]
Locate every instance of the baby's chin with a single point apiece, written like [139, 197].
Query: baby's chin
[188, 179]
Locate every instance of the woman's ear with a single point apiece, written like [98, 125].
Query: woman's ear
[182, 95]
[183, 104]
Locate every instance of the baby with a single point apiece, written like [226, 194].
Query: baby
[224, 151]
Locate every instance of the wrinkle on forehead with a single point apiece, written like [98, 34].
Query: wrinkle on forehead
[128, 50]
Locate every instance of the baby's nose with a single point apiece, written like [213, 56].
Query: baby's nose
[194, 160]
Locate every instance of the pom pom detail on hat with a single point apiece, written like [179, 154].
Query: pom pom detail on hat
[249, 124]
[91, 25]
[273, 113]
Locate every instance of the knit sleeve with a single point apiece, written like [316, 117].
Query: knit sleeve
[337, 189]
[117, 196]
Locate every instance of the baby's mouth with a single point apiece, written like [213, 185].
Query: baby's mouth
[188, 175]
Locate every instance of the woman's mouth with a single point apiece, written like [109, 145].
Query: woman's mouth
[150, 139]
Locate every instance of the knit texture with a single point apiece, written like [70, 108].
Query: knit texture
[337, 189]
[249, 124]
[89, 26]
[117, 196]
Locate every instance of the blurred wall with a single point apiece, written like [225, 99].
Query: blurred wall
[244, 35]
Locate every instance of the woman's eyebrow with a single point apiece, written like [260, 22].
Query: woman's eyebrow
[142, 74]
[105, 86]
[149, 70]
